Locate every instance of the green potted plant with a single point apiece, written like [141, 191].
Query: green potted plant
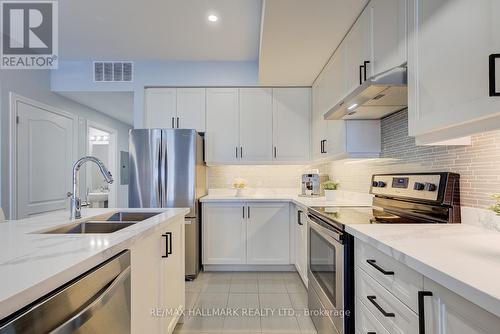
[330, 188]
[496, 208]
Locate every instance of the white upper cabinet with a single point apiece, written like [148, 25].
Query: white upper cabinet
[291, 122]
[256, 124]
[388, 34]
[448, 68]
[191, 109]
[222, 142]
[175, 108]
[161, 108]
[358, 47]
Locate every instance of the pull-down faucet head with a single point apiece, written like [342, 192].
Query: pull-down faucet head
[75, 201]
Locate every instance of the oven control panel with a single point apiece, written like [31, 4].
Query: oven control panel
[418, 186]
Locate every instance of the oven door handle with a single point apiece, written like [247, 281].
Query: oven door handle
[332, 233]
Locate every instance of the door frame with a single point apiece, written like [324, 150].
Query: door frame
[14, 100]
[113, 158]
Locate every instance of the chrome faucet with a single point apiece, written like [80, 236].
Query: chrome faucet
[75, 200]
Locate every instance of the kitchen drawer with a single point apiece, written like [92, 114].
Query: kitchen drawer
[366, 321]
[399, 279]
[395, 316]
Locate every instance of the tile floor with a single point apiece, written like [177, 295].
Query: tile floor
[256, 299]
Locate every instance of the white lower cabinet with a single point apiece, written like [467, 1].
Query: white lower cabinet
[390, 297]
[158, 285]
[246, 233]
[301, 242]
[448, 313]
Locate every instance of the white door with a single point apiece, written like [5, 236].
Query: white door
[256, 124]
[224, 233]
[448, 313]
[336, 78]
[161, 108]
[318, 124]
[301, 244]
[222, 135]
[389, 34]
[268, 233]
[45, 143]
[291, 124]
[191, 108]
[358, 44]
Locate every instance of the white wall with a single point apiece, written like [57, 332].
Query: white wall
[35, 84]
[77, 76]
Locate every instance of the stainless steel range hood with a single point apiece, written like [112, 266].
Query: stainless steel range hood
[379, 96]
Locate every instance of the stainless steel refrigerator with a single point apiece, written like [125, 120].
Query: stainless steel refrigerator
[167, 171]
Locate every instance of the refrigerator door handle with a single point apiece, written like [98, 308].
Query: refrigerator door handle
[159, 194]
[163, 167]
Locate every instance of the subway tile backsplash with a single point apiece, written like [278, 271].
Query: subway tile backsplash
[478, 165]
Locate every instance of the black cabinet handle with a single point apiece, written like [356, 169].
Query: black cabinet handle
[248, 211]
[243, 212]
[275, 152]
[299, 221]
[236, 152]
[361, 74]
[177, 122]
[374, 264]
[492, 72]
[168, 244]
[371, 333]
[386, 314]
[173, 126]
[322, 146]
[241, 152]
[421, 310]
[365, 65]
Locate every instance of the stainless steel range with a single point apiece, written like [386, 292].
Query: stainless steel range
[415, 198]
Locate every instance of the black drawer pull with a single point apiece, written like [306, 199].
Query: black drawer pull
[374, 264]
[386, 314]
[492, 74]
[371, 333]
[168, 244]
[421, 310]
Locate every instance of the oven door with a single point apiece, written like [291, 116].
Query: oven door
[326, 272]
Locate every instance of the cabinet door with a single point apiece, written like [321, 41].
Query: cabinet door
[448, 313]
[146, 264]
[222, 135]
[256, 124]
[268, 233]
[301, 244]
[191, 108]
[161, 108]
[336, 77]
[291, 123]
[173, 268]
[224, 233]
[358, 44]
[448, 67]
[389, 34]
[318, 134]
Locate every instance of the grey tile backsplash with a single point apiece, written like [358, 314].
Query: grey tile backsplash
[478, 164]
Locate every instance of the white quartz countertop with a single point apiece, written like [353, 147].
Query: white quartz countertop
[32, 265]
[463, 258]
[344, 199]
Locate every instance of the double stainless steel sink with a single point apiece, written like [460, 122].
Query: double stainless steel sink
[108, 223]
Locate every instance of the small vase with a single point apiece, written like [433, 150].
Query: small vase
[331, 195]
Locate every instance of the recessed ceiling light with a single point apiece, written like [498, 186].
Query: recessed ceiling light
[213, 18]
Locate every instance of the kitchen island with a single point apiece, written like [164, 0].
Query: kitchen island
[32, 264]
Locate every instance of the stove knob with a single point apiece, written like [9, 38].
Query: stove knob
[381, 184]
[430, 187]
[374, 184]
[418, 186]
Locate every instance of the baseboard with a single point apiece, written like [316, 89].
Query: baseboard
[248, 267]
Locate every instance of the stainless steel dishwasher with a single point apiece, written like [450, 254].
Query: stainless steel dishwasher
[95, 302]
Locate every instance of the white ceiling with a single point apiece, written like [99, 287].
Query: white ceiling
[159, 30]
[299, 36]
[119, 105]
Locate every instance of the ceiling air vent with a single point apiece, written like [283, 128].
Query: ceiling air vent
[113, 71]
